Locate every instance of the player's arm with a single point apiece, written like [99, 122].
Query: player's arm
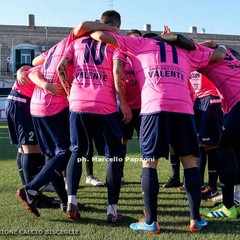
[177, 39]
[120, 86]
[22, 75]
[105, 37]
[90, 26]
[38, 79]
[209, 43]
[62, 68]
[39, 60]
[219, 52]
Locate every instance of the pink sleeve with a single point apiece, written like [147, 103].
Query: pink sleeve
[70, 38]
[119, 55]
[44, 54]
[34, 68]
[200, 57]
[69, 51]
[119, 39]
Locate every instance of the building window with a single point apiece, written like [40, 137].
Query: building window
[24, 57]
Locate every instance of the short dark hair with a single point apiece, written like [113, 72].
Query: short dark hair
[132, 31]
[150, 35]
[111, 17]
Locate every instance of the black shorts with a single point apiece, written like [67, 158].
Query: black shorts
[83, 127]
[135, 123]
[209, 119]
[159, 130]
[53, 133]
[20, 124]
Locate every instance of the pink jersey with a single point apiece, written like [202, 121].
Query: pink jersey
[202, 85]
[44, 103]
[25, 90]
[44, 54]
[92, 89]
[163, 71]
[133, 92]
[225, 75]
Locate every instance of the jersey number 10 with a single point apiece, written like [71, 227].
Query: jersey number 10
[91, 50]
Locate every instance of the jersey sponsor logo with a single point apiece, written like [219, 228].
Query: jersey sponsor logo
[195, 75]
[166, 72]
[91, 75]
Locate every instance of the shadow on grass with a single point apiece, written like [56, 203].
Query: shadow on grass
[96, 221]
[173, 227]
[214, 227]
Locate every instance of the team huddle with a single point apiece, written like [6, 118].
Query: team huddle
[98, 86]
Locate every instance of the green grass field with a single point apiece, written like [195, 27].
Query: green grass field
[173, 210]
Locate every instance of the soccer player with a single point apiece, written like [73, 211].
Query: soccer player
[93, 105]
[90, 178]
[133, 97]
[22, 132]
[208, 117]
[225, 75]
[21, 129]
[50, 111]
[163, 71]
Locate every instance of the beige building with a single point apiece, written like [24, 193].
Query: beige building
[20, 44]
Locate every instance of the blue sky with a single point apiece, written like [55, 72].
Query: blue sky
[215, 16]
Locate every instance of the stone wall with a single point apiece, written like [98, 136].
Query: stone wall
[42, 38]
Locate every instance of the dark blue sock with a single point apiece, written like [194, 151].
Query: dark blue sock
[150, 188]
[20, 168]
[30, 165]
[89, 161]
[192, 183]
[212, 168]
[175, 164]
[58, 182]
[50, 171]
[203, 161]
[40, 163]
[74, 173]
[227, 169]
[59, 187]
[237, 156]
[89, 166]
[113, 180]
[123, 155]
